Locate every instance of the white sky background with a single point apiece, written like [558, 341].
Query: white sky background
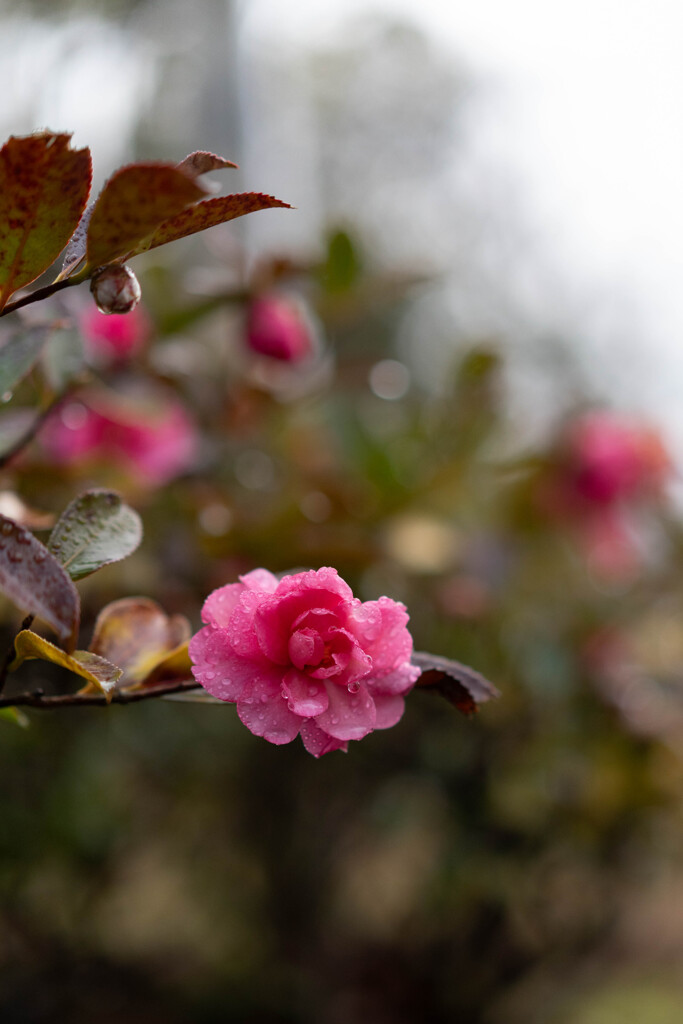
[585, 106]
[582, 102]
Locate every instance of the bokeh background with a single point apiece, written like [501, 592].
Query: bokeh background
[474, 409]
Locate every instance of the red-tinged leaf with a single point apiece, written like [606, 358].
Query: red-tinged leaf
[35, 581]
[44, 187]
[460, 685]
[202, 162]
[138, 636]
[132, 204]
[100, 674]
[207, 215]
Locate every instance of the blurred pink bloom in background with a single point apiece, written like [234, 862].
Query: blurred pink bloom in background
[276, 327]
[153, 440]
[605, 466]
[114, 337]
[304, 656]
[612, 458]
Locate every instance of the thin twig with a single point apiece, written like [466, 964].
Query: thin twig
[39, 293]
[29, 434]
[38, 699]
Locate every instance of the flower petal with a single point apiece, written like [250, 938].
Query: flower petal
[350, 716]
[216, 667]
[305, 696]
[318, 742]
[399, 681]
[389, 710]
[265, 713]
[220, 605]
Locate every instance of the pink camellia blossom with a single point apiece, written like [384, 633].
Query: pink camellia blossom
[152, 440]
[303, 656]
[613, 459]
[114, 337]
[276, 327]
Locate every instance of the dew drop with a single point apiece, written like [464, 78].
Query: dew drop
[261, 716]
[353, 687]
[6, 528]
[263, 698]
[7, 396]
[14, 556]
[40, 557]
[23, 538]
[209, 676]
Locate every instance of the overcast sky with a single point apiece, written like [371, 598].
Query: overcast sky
[585, 107]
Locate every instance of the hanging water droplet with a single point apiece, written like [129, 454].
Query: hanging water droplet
[7, 396]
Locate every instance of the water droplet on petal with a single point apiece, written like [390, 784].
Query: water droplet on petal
[353, 687]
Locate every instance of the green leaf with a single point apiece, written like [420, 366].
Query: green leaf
[96, 529]
[207, 215]
[19, 352]
[132, 204]
[138, 635]
[44, 187]
[342, 267]
[16, 716]
[35, 581]
[63, 358]
[96, 670]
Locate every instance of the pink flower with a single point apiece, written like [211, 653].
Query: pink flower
[276, 328]
[153, 441]
[114, 337]
[612, 459]
[304, 656]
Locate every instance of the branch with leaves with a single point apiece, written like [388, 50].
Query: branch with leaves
[137, 652]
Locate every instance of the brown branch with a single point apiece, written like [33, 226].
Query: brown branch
[31, 432]
[40, 293]
[39, 699]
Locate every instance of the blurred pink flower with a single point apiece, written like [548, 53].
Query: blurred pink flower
[610, 458]
[277, 328]
[153, 441]
[303, 656]
[114, 337]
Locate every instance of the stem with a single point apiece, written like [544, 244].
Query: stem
[40, 293]
[10, 655]
[28, 436]
[38, 699]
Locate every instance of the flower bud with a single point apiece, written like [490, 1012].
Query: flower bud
[276, 327]
[115, 289]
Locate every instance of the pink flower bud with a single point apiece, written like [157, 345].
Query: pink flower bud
[612, 459]
[303, 656]
[114, 337]
[115, 289]
[277, 328]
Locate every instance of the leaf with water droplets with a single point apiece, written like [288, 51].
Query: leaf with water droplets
[132, 204]
[207, 215]
[98, 671]
[19, 350]
[35, 581]
[96, 529]
[460, 685]
[44, 186]
[138, 635]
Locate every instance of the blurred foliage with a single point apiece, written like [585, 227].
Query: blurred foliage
[160, 863]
